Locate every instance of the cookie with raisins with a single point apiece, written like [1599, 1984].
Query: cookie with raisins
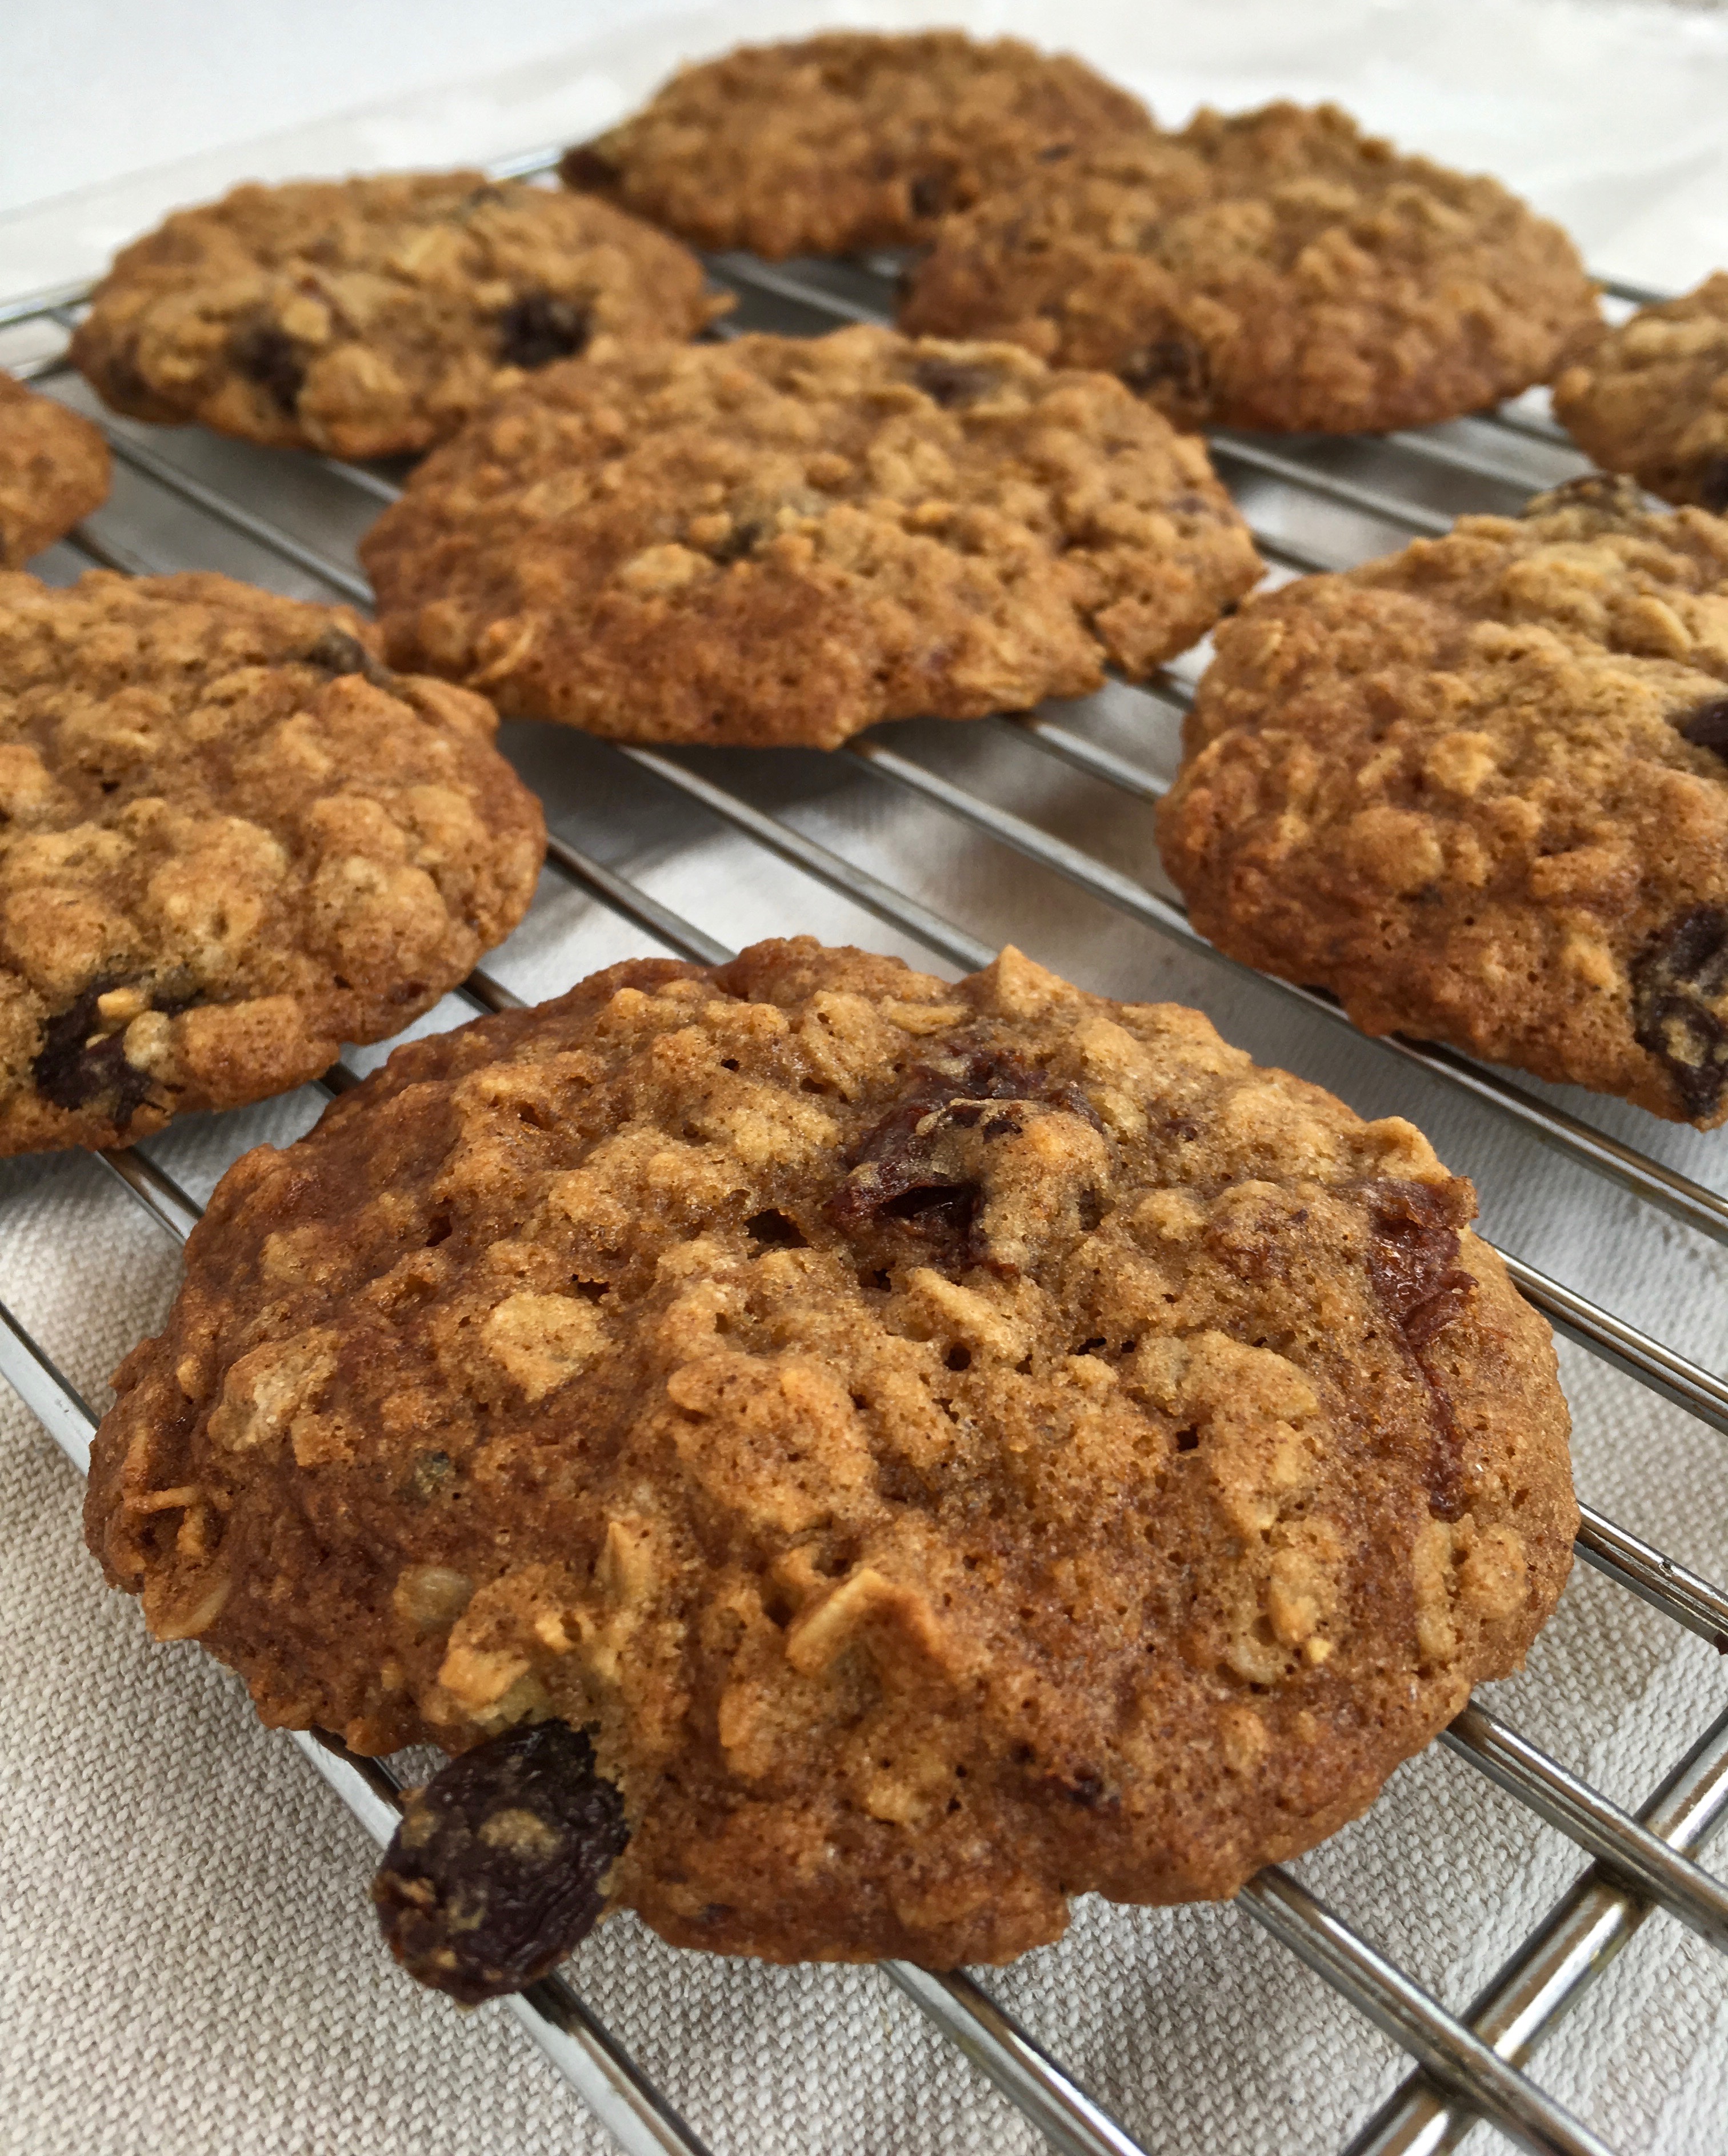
[948, 1447]
[54, 469]
[1651, 397]
[231, 839]
[782, 540]
[369, 317]
[1276, 269]
[851, 140]
[1479, 789]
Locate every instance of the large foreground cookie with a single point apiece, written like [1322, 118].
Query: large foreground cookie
[954, 1446]
[784, 539]
[846, 141]
[54, 469]
[370, 316]
[1479, 789]
[229, 840]
[1276, 269]
[1651, 398]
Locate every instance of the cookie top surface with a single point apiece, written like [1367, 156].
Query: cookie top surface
[53, 469]
[846, 141]
[1479, 789]
[785, 539]
[1276, 269]
[229, 840]
[1651, 398]
[371, 316]
[954, 1446]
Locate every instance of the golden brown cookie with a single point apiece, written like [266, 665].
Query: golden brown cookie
[1651, 398]
[229, 840]
[953, 1445]
[848, 140]
[1275, 268]
[370, 316]
[1480, 790]
[785, 539]
[53, 469]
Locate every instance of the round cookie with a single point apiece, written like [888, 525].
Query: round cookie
[1479, 789]
[229, 841]
[785, 539]
[846, 141]
[369, 317]
[54, 469]
[1651, 398]
[952, 1446]
[1276, 269]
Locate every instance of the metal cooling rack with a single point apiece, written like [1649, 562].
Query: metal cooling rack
[1313, 505]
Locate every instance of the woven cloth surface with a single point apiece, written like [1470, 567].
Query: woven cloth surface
[188, 1959]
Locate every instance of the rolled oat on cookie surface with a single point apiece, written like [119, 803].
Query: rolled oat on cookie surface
[945, 1446]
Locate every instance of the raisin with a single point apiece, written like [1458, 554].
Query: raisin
[1679, 1006]
[774, 1230]
[1706, 725]
[1412, 1264]
[903, 1168]
[269, 356]
[540, 328]
[336, 652]
[581, 167]
[494, 1875]
[1174, 365]
[1710, 482]
[930, 193]
[953, 385]
[73, 1069]
[1053, 152]
[746, 534]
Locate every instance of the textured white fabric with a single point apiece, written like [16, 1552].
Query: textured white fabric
[187, 1957]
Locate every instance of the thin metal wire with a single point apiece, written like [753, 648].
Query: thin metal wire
[1453, 2053]
[1549, 1973]
[1637, 1858]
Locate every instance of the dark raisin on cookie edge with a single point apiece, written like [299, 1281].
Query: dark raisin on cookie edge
[1679, 1004]
[495, 1873]
[538, 328]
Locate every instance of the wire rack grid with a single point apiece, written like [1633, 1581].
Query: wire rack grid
[183, 499]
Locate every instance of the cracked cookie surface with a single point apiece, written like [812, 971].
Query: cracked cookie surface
[846, 141]
[54, 469]
[370, 317]
[229, 840]
[1276, 269]
[1651, 398]
[953, 1447]
[785, 539]
[1479, 789]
